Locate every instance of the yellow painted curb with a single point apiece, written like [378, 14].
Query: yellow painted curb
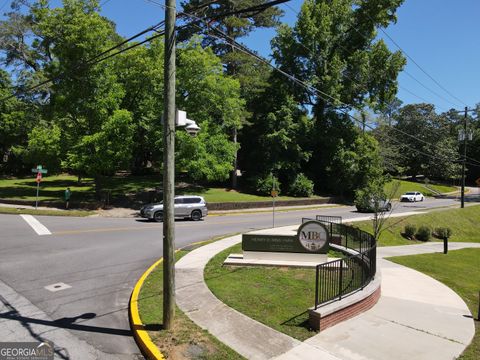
[149, 349]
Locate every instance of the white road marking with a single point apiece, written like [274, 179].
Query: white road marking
[36, 225]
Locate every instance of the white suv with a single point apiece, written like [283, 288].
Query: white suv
[187, 206]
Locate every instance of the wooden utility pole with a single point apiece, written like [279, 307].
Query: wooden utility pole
[169, 168]
[464, 158]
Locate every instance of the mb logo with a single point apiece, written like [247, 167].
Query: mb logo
[313, 236]
[309, 235]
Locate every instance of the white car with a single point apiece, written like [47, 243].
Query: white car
[412, 196]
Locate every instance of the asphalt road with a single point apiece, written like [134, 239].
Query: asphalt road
[102, 258]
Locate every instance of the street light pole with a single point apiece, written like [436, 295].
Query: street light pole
[464, 158]
[169, 168]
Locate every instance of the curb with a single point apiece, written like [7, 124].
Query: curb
[144, 342]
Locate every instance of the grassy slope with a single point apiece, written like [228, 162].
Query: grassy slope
[458, 270]
[276, 297]
[52, 188]
[185, 333]
[416, 186]
[463, 222]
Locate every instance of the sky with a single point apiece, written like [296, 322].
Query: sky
[441, 36]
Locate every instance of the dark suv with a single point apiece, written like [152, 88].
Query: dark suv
[186, 206]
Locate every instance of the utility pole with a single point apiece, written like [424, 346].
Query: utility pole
[169, 168]
[464, 158]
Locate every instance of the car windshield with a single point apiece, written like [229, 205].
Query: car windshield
[410, 193]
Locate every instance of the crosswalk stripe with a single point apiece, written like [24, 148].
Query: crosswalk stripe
[36, 225]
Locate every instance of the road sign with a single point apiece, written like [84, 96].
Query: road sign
[478, 181]
[39, 177]
[43, 171]
[274, 193]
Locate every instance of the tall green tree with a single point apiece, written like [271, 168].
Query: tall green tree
[278, 130]
[212, 99]
[140, 72]
[429, 149]
[250, 72]
[16, 119]
[334, 48]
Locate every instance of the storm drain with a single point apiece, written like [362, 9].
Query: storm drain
[57, 287]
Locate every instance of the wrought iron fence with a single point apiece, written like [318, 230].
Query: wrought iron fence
[337, 279]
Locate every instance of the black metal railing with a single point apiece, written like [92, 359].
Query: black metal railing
[337, 279]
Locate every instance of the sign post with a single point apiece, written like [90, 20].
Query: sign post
[39, 171]
[274, 194]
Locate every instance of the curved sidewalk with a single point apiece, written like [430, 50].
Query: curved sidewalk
[416, 317]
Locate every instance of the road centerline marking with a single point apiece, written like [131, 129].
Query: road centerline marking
[36, 225]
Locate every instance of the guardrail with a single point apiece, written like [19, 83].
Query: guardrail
[337, 279]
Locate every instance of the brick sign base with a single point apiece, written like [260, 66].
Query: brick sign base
[320, 323]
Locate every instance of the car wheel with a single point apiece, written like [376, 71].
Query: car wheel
[158, 216]
[196, 215]
[422, 198]
[389, 207]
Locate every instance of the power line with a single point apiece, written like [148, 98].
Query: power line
[243, 48]
[401, 87]
[311, 52]
[4, 4]
[421, 68]
[95, 59]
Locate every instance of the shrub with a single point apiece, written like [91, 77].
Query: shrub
[264, 185]
[423, 233]
[301, 186]
[410, 231]
[443, 233]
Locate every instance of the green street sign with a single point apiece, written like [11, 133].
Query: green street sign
[43, 171]
[39, 167]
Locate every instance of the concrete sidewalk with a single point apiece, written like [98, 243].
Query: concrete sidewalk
[417, 317]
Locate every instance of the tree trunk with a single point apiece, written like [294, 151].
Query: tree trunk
[98, 186]
[235, 161]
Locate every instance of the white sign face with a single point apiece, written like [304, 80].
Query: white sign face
[312, 236]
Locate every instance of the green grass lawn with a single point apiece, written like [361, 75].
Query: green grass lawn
[78, 213]
[52, 189]
[415, 186]
[277, 297]
[458, 270]
[184, 333]
[464, 223]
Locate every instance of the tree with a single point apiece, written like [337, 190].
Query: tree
[234, 25]
[333, 47]
[428, 149]
[84, 99]
[213, 100]
[278, 130]
[140, 72]
[43, 147]
[16, 118]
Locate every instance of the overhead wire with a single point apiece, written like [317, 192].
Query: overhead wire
[400, 86]
[322, 95]
[396, 129]
[97, 58]
[420, 67]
